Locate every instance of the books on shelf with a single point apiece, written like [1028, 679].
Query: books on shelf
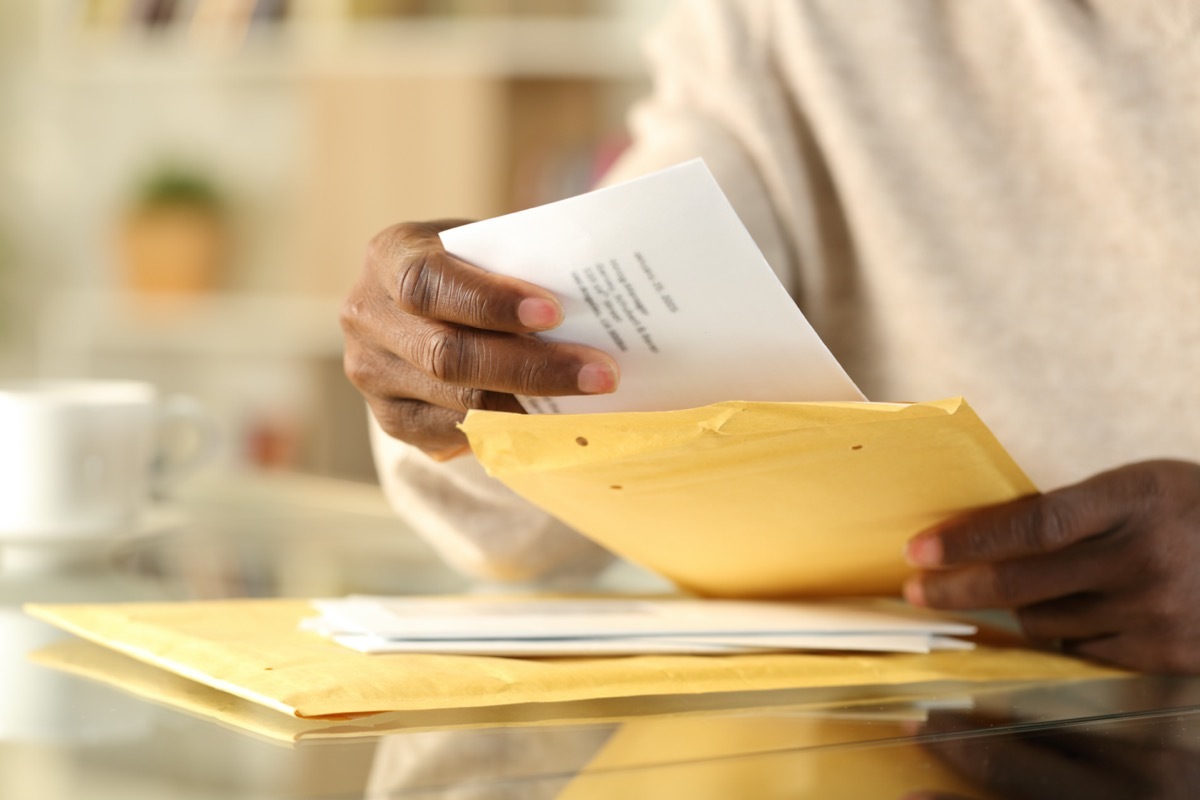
[224, 14]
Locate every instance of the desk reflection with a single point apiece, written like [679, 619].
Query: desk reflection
[40, 705]
[762, 754]
[1154, 757]
[906, 751]
[494, 763]
[65, 736]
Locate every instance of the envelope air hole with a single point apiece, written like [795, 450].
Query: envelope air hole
[616, 486]
[856, 447]
[582, 442]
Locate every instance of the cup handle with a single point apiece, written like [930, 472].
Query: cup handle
[182, 413]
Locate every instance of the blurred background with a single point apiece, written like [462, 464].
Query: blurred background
[189, 184]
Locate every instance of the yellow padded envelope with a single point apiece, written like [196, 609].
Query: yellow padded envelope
[253, 649]
[89, 660]
[747, 499]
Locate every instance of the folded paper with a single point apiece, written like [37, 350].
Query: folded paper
[744, 499]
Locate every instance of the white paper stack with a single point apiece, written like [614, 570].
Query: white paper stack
[623, 626]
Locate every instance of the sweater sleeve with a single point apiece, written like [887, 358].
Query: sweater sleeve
[475, 523]
[478, 525]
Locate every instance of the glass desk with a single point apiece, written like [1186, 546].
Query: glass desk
[63, 736]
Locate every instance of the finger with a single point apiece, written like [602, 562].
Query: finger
[424, 280]
[1088, 567]
[1117, 638]
[1142, 651]
[428, 427]
[1078, 617]
[378, 373]
[1025, 527]
[488, 360]
[502, 362]
[414, 409]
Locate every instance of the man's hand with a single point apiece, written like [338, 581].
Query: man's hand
[1108, 568]
[429, 337]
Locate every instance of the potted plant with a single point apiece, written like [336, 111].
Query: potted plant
[174, 238]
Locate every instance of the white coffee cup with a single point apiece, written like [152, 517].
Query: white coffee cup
[81, 458]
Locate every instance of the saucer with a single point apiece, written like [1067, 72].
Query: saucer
[153, 521]
[23, 551]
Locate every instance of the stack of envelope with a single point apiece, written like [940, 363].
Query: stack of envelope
[625, 626]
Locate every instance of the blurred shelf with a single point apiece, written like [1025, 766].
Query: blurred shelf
[323, 127]
[504, 48]
[229, 325]
[267, 367]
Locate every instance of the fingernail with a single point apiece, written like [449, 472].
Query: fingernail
[923, 551]
[914, 592]
[539, 314]
[597, 378]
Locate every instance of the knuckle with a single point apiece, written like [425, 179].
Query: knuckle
[1051, 525]
[386, 244]
[1164, 610]
[535, 375]
[481, 399]
[1153, 482]
[359, 368]
[1004, 584]
[442, 353]
[358, 372]
[1147, 489]
[418, 283]
[423, 280]
[1153, 563]
[386, 248]
[352, 313]
[393, 418]
[473, 398]
[412, 421]
[1147, 558]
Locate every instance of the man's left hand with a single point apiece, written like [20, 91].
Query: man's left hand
[1108, 568]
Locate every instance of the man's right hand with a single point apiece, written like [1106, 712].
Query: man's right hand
[429, 336]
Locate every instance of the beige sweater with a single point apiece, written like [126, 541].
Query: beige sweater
[999, 200]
